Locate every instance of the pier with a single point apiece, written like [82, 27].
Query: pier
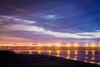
[47, 48]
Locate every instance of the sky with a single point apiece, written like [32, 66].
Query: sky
[49, 21]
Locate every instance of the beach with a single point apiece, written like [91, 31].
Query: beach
[11, 59]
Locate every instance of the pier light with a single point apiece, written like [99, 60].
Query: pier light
[30, 44]
[85, 61]
[58, 53]
[30, 52]
[98, 63]
[58, 44]
[68, 57]
[68, 54]
[75, 45]
[75, 58]
[76, 52]
[68, 44]
[92, 62]
[39, 52]
[86, 57]
[39, 45]
[92, 45]
[86, 52]
[93, 52]
[10, 44]
[49, 45]
[49, 52]
[86, 45]
[93, 58]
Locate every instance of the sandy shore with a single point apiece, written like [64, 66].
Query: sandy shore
[10, 59]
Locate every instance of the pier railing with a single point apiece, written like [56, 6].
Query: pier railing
[46, 48]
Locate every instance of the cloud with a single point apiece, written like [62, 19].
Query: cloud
[84, 35]
[54, 20]
[14, 20]
[25, 21]
[40, 30]
[9, 38]
[27, 25]
[50, 17]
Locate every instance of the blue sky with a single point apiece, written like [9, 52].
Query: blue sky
[49, 20]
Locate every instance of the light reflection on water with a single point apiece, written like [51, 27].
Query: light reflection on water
[86, 56]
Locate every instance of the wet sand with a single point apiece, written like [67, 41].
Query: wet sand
[10, 59]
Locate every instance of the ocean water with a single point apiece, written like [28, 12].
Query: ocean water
[85, 56]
